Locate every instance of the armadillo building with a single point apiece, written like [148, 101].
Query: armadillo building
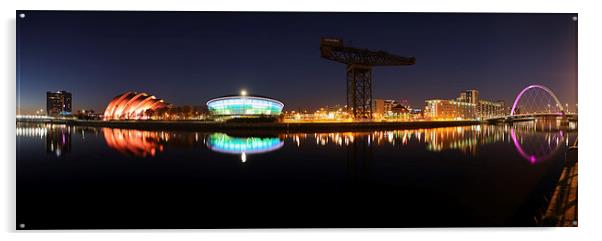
[132, 106]
[244, 106]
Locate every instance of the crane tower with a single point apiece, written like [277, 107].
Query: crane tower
[359, 71]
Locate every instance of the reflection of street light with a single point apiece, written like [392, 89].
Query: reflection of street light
[243, 157]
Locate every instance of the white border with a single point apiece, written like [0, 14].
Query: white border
[589, 87]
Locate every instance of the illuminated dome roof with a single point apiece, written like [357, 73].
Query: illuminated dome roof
[238, 105]
[132, 106]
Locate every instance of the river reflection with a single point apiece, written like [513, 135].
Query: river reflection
[242, 146]
[535, 141]
[552, 136]
[57, 137]
[465, 139]
[134, 142]
[480, 175]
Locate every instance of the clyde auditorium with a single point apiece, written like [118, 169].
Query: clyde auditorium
[132, 106]
[244, 106]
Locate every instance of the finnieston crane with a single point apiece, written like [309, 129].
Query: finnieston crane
[359, 71]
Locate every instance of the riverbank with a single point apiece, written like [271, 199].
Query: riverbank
[255, 127]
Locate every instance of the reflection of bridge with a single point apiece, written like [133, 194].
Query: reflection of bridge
[536, 101]
[537, 149]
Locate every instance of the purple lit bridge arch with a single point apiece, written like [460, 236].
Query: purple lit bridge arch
[531, 88]
[537, 149]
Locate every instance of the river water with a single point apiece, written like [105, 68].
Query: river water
[471, 176]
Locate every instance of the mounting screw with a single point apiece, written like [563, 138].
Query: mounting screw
[22, 15]
[22, 225]
[575, 223]
[575, 18]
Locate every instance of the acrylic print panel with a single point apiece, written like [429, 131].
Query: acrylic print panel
[171, 120]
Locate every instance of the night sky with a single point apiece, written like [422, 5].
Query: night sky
[187, 58]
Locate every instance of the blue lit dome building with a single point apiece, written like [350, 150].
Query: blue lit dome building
[241, 106]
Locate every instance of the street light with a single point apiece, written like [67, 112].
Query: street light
[243, 92]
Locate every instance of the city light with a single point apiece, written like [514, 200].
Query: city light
[23, 117]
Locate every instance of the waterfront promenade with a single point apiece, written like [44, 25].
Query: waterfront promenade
[258, 127]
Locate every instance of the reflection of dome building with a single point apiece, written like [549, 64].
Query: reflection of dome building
[134, 142]
[247, 106]
[132, 106]
[224, 143]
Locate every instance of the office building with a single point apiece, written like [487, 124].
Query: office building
[449, 109]
[383, 107]
[491, 109]
[469, 96]
[58, 103]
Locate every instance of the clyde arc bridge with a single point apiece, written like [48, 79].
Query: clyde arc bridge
[535, 101]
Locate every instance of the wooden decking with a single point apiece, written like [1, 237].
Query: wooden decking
[562, 209]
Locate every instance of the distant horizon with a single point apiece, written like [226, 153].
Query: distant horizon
[187, 58]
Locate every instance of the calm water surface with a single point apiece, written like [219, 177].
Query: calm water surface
[482, 175]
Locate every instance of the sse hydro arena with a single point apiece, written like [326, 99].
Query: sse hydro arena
[243, 106]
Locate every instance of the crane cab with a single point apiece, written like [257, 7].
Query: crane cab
[332, 42]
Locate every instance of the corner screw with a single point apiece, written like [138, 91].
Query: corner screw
[22, 225]
[22, 15]
[575, 18]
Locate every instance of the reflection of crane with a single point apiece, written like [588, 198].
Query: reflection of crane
[359, 71]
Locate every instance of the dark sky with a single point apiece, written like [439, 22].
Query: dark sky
[187, 58]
